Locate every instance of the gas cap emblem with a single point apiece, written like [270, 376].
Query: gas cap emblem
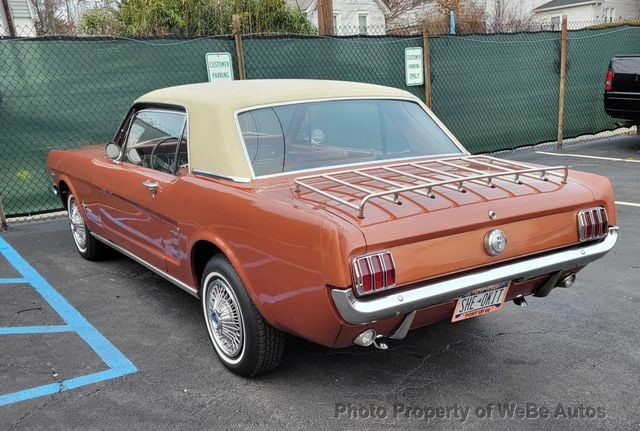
[495, 242]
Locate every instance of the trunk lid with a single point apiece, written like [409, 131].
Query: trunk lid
[440, 229]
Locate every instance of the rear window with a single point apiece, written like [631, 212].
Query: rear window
[317, 134]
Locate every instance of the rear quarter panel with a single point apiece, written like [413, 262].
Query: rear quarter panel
[286, 256]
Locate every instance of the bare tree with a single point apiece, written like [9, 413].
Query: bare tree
[508, 16]
[50, 17]
[57, 16]
[403, 15]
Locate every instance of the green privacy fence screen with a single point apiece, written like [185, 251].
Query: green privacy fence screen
[493, 91]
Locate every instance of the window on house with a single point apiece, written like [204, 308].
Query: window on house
[609, 14]
[336, 24]
[363, 22]
[555, 23]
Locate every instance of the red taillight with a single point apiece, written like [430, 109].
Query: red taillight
[373, 273]
[592, 224]
[608, 81]
[366, 276]
[378, 275]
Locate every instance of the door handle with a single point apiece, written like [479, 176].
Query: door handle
[152, 186]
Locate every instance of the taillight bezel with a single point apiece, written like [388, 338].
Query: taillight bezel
[593, 224]
[368, 259]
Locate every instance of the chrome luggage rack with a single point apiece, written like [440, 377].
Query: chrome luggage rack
[425, 175]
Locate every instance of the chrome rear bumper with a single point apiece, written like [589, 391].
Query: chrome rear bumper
[355, 311]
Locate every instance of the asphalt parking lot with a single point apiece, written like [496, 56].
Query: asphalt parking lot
[574, 353]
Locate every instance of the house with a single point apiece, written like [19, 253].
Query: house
[17, 18]
[581, 13]
[349, 16]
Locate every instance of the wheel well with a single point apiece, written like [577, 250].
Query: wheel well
[63, 191]
[201, 252]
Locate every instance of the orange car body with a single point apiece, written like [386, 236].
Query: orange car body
[294, 248]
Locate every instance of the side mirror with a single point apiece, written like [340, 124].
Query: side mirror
[112, 151]
[134, 157]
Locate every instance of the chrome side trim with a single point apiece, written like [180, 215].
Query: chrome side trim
[221, 176]
[356, 311]
[190, 290]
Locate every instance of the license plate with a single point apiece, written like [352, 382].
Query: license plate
[481, 301]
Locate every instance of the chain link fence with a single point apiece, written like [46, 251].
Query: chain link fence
[70, 92]
[495, 92]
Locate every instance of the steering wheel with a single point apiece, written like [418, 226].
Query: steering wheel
[165, 163]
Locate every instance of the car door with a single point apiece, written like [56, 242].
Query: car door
[132, 186]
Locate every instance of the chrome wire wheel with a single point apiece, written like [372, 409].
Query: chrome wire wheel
[224, 318]
[78, 228]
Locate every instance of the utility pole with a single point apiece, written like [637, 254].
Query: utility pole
[325, 17]
[7, 13]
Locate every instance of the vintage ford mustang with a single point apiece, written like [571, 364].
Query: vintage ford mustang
[339, 212]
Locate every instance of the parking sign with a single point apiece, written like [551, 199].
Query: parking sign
[219, 66]
[413, 66]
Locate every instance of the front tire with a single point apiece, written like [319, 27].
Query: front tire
[88, 247]
[244, 342]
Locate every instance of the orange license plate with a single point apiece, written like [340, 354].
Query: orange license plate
[481, 301]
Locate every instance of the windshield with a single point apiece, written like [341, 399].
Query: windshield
[329, 133]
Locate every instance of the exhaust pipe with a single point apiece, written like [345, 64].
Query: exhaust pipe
[568, 281]
[371, 338]
[553, 282]
[380, 343]
[520, 301]
[366, 338]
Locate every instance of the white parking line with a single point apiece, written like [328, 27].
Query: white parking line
[628, 204]
[584, 156]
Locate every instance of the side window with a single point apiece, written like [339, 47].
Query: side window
[264, 140]
[153, 140]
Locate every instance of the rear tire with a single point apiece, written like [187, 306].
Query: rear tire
[88, 247]
[244, 342]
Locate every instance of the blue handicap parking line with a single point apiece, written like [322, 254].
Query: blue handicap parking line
[13, 280]
[118, 364]
[12, 330]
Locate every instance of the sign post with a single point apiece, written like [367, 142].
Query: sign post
[219, 66]
[413, 66]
